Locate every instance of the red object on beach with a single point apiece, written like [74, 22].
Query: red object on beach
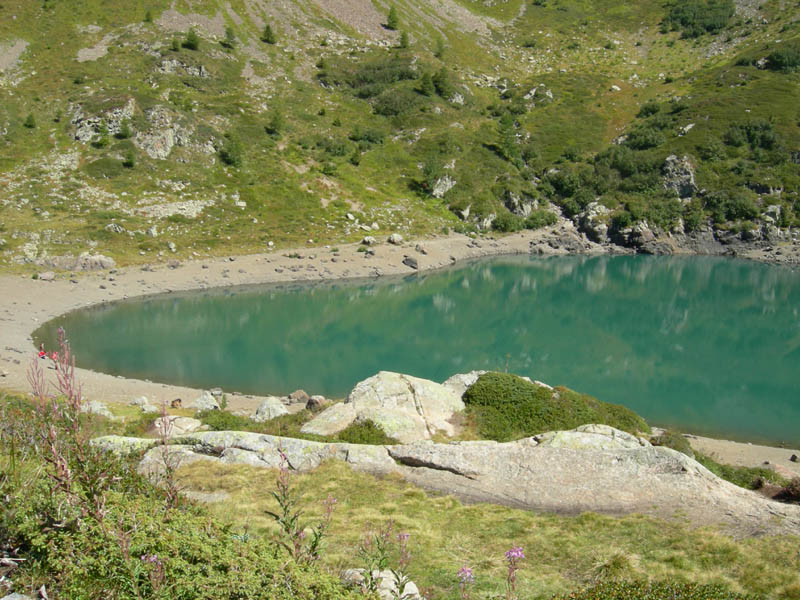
[42, 354]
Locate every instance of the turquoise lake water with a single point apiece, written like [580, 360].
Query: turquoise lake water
[704, 344]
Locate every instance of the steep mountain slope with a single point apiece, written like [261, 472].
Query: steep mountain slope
[141, 129]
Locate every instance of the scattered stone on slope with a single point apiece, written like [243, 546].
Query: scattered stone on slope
[444, 184]
[84, 262]
[270, 407]
[593, 221]
[387, 584]
[679, 176]
[395, 239]
[406, 408]
[172, 425]
[96, 408]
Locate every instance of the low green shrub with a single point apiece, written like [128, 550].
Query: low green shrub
[506, 407]
[786, 58]
[365, 432]
[696, 17]
[750, 478]
[642, 590]
[674, 440]
[540, 218]
[507, 222]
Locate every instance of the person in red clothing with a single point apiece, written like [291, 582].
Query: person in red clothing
[42, 353]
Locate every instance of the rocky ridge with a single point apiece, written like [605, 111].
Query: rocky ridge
[591, 468]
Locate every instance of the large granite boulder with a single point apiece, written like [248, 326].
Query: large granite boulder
[270, 407]
[406, 408]
[206, 401]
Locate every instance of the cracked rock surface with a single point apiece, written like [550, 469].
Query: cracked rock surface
[592, 468]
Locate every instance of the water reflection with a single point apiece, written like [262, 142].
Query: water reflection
[704, 343]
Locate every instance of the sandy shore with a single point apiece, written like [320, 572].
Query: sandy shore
[26, 303]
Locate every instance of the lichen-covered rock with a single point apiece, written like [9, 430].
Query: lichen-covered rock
[407, 408]
[206, 401]
[679, 176]
[444, 184]
[172, 425]
[122, 445]
[461, 381]
[96, 408]
[593, 221]
[331, 420]
[591, 437]
[269, 408]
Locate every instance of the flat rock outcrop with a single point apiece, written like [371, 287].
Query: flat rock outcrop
[406, 408]
[592, 468]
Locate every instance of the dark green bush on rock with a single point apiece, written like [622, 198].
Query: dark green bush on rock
[674, 440]
[506, 407]
[641, 590]
[365, 432]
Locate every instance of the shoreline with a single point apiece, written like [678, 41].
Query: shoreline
[27, 303]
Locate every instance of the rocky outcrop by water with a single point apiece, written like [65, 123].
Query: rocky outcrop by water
[591, 468]
[407, 408]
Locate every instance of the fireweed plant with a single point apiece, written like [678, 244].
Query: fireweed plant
[293, 535]
[513, 557]
[465, 581]
[376, 551]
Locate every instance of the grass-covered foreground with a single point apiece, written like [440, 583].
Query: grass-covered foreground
[83, 524]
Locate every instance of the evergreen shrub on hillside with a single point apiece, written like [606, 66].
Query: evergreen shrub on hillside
[507, 407]
[696, 17]
[365, 432]
[786, 58]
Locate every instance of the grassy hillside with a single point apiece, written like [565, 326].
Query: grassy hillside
[232, 142]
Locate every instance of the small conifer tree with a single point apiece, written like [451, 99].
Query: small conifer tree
[268, 36]
[230, 38]
[148, 16]
[192, 41]
[275, 124]
[404, 40]
[130, 160]
[30, 121]
[439, 50]
[426, 86]
[392, 19]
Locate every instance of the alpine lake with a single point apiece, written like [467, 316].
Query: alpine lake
[702, 344]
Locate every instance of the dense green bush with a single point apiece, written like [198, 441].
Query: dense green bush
[758, 133]
[395, 102]
[540, 218]
[696, 17]
[138, 551]
[231, 152]
[643, 138]
[674, 440]
[507, 222]
[365, 432]
[750, 478]
[786, 58]
[192, 40]
[506, 407]
[642, 590]
[649, 108]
